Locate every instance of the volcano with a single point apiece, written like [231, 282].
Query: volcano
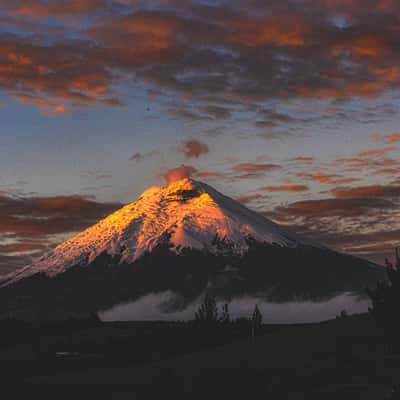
[185, 239]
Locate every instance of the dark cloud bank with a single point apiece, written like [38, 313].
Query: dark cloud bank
[28, 224]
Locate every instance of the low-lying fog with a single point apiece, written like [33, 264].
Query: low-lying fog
[157, 306]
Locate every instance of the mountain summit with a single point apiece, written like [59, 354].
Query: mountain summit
[186, 213]
[185, 239]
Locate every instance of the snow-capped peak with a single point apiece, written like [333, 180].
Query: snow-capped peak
[188, 213]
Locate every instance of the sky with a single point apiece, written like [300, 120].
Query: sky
[289, 106]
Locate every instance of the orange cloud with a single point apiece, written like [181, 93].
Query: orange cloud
[393, 138]
[54, 8]
[48, 107]
[150, 33]
[286, 188]
[22, 247]
[249, 198]
[194, 148]
[285, 31]
[41, 75]
[209, 174]
[321, 178]
[254, 167]
[329, 179]
[387, 171]
[375, 136]
[378, 80]
[272, 52]
[356, 163]
[376, 152]
[366, 191]
[178, 173]
[368, 46]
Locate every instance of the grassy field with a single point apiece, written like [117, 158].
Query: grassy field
[347, 358]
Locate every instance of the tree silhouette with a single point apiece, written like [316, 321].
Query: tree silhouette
[385, 298]
[257, 317]
[256, 321]
[208, 311]
[225, 318]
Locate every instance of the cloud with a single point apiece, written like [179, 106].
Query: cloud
[48, 107]
[177, 173]
[231, 53]
[347, 202]
[20, 247]
[50, 215]
[51, 75]
[11, 263]
[217, 112]
[324, 178]
[250, 198]
[194, 148]
[28, 224]
[307, 160]
[139, 156]
[361, 220]
[357, 164]
[387, 171]
[260, 32]
[56, 8]
[367, 191]
[249, 170]
[136, 157]
[152, 307]
[375, 136]
[255, 167]
[209, 174]
[376, 152]
[339, 207]
[286, 188]
[391, 138]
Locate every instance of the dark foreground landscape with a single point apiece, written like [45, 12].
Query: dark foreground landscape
[346, 358]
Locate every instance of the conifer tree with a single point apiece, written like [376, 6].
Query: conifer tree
[385, 298]
[225, 318]
[256, 321]
[257, 317]
[208, 311]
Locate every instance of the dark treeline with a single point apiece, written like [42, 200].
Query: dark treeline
[208, 316]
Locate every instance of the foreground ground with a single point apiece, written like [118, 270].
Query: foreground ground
[346, 358]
